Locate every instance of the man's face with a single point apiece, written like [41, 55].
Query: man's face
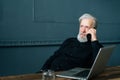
[85, 25]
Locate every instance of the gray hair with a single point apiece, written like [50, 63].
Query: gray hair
[89, 16]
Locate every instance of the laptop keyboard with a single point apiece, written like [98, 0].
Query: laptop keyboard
[82, 73]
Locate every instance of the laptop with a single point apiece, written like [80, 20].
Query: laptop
[97, 67]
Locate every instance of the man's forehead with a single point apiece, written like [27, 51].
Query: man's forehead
[87, 22]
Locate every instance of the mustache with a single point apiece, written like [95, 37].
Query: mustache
[82, 34]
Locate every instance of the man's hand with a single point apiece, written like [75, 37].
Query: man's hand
[92, 31]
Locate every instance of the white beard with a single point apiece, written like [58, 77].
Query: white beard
[84, 39]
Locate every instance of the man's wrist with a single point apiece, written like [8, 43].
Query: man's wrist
[94, 39]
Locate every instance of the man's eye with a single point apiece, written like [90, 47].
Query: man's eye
[81, 26]
[86, 26]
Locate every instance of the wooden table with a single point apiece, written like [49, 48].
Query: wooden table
[110, 73]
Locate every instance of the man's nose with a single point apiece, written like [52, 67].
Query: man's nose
[83, 30]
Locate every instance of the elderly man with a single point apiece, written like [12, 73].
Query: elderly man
[77, 52]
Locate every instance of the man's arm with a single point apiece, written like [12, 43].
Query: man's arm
[58, 52]
[95, 46]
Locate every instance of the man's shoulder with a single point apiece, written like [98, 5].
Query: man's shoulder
[71, 39]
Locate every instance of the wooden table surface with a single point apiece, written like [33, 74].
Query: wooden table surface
[110, 73]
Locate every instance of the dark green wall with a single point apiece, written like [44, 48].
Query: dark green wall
[31, 30]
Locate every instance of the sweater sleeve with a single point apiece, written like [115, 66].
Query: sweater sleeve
[95, 46]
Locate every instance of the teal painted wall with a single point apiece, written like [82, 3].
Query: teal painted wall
[31, 30]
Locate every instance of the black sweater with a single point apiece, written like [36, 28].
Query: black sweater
[73, 53]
